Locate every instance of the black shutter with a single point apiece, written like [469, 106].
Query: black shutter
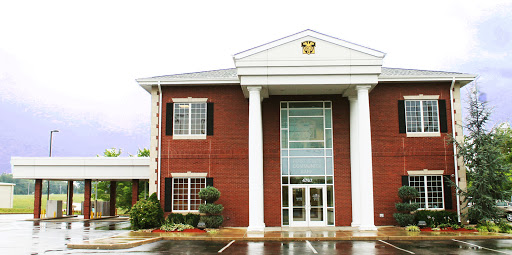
[405, 180]
[209, 119]
[443, 125]
[169, 118]
[447, 192]
[401, 116]
[168, 194]
[209, 182]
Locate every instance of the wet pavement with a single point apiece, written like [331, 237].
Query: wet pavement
[18, 236]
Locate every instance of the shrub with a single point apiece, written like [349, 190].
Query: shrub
[406, 207]
[175, 218]
[412, 228]
[455, 226]
[482, 229]
[404, 219]
[470, 228]
[146, 214]
[435, 218]
[210, 194]
[494, 229]
[504, 226]
[175, 227]
[192, 219]
[212, 209]
[407, 193]
[212, 221]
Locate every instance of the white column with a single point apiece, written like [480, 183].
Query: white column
[354, 164]
[365, 158]
[256, 218]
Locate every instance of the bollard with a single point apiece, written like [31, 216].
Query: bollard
[100, 214]
[54, 214]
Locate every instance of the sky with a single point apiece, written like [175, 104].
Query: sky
[72, 65]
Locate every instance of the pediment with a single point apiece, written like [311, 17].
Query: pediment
[326, 48]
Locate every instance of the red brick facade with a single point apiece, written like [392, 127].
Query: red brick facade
[224, 155]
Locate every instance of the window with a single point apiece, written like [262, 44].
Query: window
[190, 119]
[422, 116]
[185, 193]
[430, 188]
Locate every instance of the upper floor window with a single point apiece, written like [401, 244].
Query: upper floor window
[190, 119]
[422, 116]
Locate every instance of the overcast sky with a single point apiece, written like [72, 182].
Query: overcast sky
[72, 65]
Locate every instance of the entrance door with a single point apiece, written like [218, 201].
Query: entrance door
[308, 206]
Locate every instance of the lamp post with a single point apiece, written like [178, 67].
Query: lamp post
[51, 138]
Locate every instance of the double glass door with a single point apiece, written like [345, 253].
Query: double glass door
[308, 206]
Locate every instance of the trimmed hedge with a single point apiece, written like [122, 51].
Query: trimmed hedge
[407, 193]
[210, 194]
[212, 209]
[406, 207]
[212, 221]
[404, 219]
[192, 219]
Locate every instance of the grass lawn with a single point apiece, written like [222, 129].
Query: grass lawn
[25, 203]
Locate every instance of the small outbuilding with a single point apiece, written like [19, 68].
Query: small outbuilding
[6, 194]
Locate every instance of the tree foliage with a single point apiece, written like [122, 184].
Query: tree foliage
[486, 169]
[124, 188]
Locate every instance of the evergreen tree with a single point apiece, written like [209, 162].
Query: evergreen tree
[487, 172]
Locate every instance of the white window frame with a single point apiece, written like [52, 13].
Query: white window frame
[188, 193]
[426, 191]
[422, 133]
[189, 101]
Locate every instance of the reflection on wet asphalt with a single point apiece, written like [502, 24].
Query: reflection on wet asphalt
[18, 236]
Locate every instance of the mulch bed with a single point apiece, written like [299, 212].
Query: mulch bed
[449, 230]
[194, 230]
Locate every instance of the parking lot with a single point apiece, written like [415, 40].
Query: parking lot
[25, 237]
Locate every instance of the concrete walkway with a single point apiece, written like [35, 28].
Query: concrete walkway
[136, 238]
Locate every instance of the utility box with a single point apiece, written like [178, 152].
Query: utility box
[53, 208]
[102, 207]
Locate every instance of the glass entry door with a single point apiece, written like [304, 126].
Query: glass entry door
[308, 206]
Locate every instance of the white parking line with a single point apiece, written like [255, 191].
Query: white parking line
[480, 246]
[311, 247]
[225, 247]
[397, 247]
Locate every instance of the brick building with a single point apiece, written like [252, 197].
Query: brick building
[307, 130]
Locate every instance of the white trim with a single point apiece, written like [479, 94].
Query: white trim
[455, 159]
[189, 137]
[426, 172]
[422, 134]
[188, 175]
[422, 97]
[189, 100]
[306, 33]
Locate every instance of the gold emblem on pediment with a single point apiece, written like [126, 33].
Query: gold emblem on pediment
[308, 47]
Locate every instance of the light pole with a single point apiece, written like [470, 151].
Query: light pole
[51, 138]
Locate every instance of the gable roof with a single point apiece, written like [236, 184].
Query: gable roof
[312, 33]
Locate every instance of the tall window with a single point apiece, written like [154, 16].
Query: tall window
[430, 188]
[185, 193]
[422, 116]
[189, 118]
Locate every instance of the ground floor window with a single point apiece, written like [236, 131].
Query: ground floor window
[185, 193]
[430, 188]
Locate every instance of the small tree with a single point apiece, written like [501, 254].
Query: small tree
[405, 216]
[213, 217]
[487, 171]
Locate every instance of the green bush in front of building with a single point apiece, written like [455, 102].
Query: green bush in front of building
[147, 214]
[212, 219]
[404, 217]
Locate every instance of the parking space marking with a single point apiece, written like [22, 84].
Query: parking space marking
[480, 246]
[311, 247]
[397, 247]
[225, 247]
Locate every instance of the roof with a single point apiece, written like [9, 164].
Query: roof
[231, 73]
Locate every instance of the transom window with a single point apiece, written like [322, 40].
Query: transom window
[189, 119]
[430, 188]
[185, 193]
[422, 116]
